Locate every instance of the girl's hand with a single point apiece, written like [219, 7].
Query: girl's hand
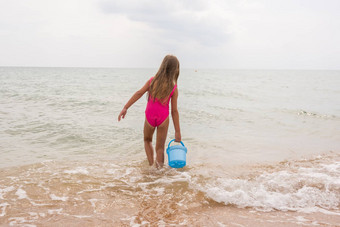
[178, 137]
[122, 114]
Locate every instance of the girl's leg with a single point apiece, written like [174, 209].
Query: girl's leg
[162, 131]
[148, 133]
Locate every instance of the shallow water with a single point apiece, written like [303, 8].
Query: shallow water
[103, 193]
[263, 148]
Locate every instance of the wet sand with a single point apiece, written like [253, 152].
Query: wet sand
[105, 194]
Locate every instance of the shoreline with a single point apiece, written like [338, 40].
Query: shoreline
[105, 193]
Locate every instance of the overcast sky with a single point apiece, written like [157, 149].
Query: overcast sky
[236, 34]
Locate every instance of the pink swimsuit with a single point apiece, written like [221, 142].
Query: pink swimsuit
[156, 112]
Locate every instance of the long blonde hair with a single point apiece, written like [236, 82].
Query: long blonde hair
[165, 79]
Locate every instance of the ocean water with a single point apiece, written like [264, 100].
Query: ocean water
[263, 149]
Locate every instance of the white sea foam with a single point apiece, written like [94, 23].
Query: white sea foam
[334, 168]
[132, 221]
[54, 211]
[93, 202]
[301, 219]
[221, 224]
[3, 209]
[298, 190]
[96, 189]
[54, 197]
[82, 216]
[317, 209]
[3, 191]
[34, 214]
[159, 190]
[165, 180]
[78, 170]
[128, 171]
[21, 194]
[111, 171]
[14, 221]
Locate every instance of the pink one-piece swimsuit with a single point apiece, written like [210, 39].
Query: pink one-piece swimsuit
[157, 112]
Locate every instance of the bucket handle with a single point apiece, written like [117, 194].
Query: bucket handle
[173, 141]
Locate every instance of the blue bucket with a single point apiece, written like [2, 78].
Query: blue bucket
[176, 155]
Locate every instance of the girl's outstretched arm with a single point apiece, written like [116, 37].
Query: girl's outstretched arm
[175, 116]
[133, 99]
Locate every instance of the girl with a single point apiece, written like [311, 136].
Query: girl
[161, 89]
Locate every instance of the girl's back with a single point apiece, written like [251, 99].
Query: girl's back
[157, 111]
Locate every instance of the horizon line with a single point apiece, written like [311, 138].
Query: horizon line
[185, 68]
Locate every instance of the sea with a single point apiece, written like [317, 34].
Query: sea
[263, 149]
